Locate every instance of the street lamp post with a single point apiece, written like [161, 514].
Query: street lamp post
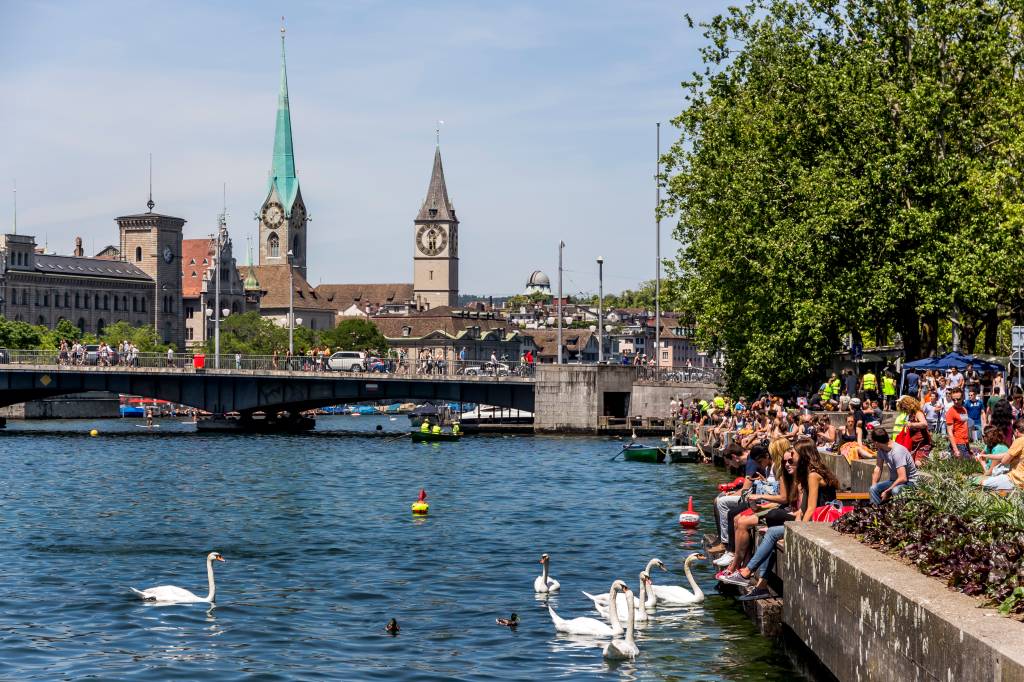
[216, 299]
[291, 306]
[561, 246]
[600, 309]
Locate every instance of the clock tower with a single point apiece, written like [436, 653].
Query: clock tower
[152, 242]
[283, 218]
[436, 248]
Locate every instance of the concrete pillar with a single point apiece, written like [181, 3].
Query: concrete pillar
[572, 398]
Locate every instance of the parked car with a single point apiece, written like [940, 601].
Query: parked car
[347, 361]
[488, 369]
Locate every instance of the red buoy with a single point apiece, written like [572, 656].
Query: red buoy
[689, 518]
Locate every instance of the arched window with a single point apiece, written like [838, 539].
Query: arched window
[138, 254]
[100, 324]
[117, 303]
[295, 245]
[124, 303]
[46, 299]
[106, 302]
[78, 300]
[81, 324]
[273, 245]
[142, 305]
[67, 299]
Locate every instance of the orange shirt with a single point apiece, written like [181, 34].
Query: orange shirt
[956, 425]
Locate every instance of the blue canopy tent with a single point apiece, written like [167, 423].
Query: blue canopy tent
[948, 361]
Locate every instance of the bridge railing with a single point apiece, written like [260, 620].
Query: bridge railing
[682, 375]
[425, 368]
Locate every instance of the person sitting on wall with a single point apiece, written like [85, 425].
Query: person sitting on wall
[756, 468]
[902, 470]
[1014, 478]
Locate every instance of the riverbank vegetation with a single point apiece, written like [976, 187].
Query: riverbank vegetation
[952, 530]
[850, 170]
[25, 336]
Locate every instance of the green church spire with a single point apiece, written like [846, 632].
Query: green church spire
[282, 170]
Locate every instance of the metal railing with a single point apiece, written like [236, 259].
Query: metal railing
[685, 375]
[196, 362]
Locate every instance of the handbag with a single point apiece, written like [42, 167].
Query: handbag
[829, 513]
[903, 438]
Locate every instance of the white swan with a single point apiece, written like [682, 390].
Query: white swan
[624, 649]
[674, 595]
[544, 583]
[647, 601]
[602, 599]
[170, 594]
[591, 626]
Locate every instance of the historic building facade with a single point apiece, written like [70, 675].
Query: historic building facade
[199, 288]
[91, 293]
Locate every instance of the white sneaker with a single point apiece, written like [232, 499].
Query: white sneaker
[724, 560]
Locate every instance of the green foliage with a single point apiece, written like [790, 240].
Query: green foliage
[952, 530]
[355, 334]
[22, 335]
[251, 334]
[848, 166]
[144, 338]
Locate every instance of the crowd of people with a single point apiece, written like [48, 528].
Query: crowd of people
[781, 445]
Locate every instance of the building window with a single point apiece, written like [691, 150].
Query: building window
[142, 305]
[100, 324]
[295, 245]
[46, 299]
[41, 321]
[124, 303]
[67, 299]
[189, 332]
[106, 302]
[273, 245]
[81, 324]
[189, 312]
[78, 300]
[117, 303]
[138, 254]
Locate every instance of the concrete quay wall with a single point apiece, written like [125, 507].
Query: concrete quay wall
[868, 617]
[90, 405]
[651, 399]
[571, 398]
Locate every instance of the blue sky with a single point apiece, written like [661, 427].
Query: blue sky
[549, 110]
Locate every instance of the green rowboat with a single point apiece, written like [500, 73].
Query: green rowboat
[422, 437]
[643, 453]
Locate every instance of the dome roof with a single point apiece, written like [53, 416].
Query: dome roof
[538, 279]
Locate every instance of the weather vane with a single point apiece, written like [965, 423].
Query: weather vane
[437, 132]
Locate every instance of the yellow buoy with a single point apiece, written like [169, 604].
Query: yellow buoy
[421, 506]
[94, 433]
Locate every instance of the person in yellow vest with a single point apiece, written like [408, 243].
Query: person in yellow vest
[836, 386]
[456, 429]
[889, 391]
[425, 426]
[869, 386]
[826, 392]
[436, 430]
[719, 402]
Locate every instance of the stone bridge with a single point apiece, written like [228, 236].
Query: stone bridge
[270, 391]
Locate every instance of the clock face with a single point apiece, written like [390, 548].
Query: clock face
[431, 239]
[168, 254]
[273, 214]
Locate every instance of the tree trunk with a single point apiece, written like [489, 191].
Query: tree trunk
[929, 334]
[991, 331]
[909, 326]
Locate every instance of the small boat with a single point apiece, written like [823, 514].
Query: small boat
[635, 452]
[682, 454]
[425, 437]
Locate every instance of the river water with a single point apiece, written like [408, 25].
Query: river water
[322, 550]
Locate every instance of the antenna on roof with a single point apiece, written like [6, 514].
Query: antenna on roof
[15, 206]
[150, 204]
[437, 133]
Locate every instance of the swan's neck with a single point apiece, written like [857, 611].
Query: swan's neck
[650, 600]
[693, 583]
[209, 576]
[650, 565]
[630, 616]
[544, 572]
[613, 610]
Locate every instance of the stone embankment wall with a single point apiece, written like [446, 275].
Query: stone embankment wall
[571, 398]
[91, 405]
[869, 617]
[651, 399]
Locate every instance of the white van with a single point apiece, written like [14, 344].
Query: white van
[347, 361]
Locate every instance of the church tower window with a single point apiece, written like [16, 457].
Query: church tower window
[273, 245]
[138, 254]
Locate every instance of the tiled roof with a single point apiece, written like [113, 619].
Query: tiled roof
[343, 296]
[273, 280]
[88, 267]
[196, 255]
[546, 340]
[440, 319]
